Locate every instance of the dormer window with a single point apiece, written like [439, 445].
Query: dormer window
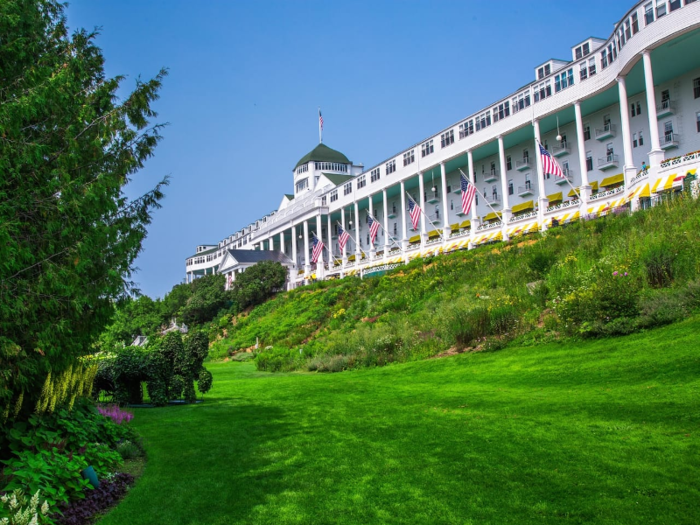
[544, 71]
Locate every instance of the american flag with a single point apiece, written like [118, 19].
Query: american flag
[549, 165]
[373, 228]
[343, 237]
[318, 249]
[468, 192]
[320, 120]
[414, 211]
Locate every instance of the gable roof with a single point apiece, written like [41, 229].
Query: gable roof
[323, 153]
[233, 258]
[337, 179]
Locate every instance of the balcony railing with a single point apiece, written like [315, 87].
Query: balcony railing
[567, 179]
[669, 141]
[523, 191]
[608, 131]
[522, 165]
[561, 150]
[665, 109]
[489, 226]
[492, 199]
[608, 162]
[491, 176]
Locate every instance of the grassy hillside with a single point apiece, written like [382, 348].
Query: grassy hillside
[613, 275]
[604, 431]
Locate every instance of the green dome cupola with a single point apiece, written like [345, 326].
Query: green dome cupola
[323, 153]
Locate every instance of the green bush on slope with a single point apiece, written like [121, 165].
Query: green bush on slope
[613, 275]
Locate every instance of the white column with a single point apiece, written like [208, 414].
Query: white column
[319, 235]
[542, 191]
[505, 214]
[282, 242]
[294, 245]
[307, 266]
[357, 233]
[585, 188]
[372, 251]
[629, 169]
[387, 242]
[404, 238]
[656, 155]
[342, 224]
[445, 208]
[421, 199]
[331, 262]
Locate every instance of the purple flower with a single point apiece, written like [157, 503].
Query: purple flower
[615, 272]
[116, 414]
[625, 274]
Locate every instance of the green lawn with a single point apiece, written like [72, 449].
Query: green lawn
[599, 432]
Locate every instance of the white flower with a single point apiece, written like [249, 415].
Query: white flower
[35, 520]
[45, 508]
[34, 502]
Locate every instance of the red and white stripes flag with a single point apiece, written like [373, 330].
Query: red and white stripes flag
[373, 228]
[320, 120]
[318, 249]
[549, 165]
[343, 237]
[468, 193]
[414, 211]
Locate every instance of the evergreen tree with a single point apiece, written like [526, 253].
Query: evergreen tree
[68, 235]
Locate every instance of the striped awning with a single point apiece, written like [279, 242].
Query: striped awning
[457, 245]
[640, 191]
[597, 210]
[521, 229]
[667, 183]
[496, 235]
[564, 218]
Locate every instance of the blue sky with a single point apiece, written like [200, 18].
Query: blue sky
[246, 79]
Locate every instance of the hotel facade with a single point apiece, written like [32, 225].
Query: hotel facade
[621, 118]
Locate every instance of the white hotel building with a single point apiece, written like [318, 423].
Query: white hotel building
[620, 104]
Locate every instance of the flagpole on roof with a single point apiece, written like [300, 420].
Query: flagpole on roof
[320, 126]
[428, 218]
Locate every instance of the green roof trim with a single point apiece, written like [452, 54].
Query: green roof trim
[289, 196]
[323, 153]
[338, 179]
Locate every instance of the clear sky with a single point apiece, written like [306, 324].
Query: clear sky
[246, 79]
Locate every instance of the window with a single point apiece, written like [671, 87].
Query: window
[543, 90]
[483, 121]
[586, 132]
[447, 138]
[425, 149]
[641, 139]
[591, 67]
[302, 185]
[331, 166]
[302, 169]
[579, 53]
[589, 161]
[649, 13]
[510, 187]
[543, 72]
[634, 140]
[408, 158]
[521, 101]
[395, 229]
[668, 131]
[466, 129]
[334, 195]
[583, 74]
[628, 29]
[509, 163]
[347, 189]
[390, 167]
[696, 88]
[660, 9]
[361, 182]
[501, 111]
[635, 23]
[675, 4]
[564, 80]
[697, 116]
[604, 59]
[449, 189]
[374, 175]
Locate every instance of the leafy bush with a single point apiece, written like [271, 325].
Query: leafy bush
[129, 450]
[82, 512]
[204, 381]
[658, 261]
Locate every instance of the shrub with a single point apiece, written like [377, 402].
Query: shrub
[82, 512]
[204, 381]
[470, 325]
[658, 261]
[177, 385]
[128, 450]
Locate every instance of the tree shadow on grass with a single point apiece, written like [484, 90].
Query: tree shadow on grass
[211, 464]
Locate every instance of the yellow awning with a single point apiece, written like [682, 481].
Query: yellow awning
[570, 216]
[555, 197]
[491, 216]
[524, 206]
[465, 224]
[612, 180]
[574, 193]
[454, 227]
[522, 229]
[351, 258]
[666, 183]
[433, 233]
[415, 238]
[640, 191]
